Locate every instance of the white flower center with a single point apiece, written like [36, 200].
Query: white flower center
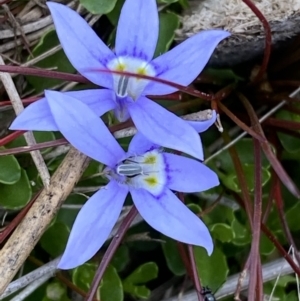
[147, 171]
[128, 85]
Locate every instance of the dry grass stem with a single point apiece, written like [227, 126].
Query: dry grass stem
[29, 231]
[18, 108]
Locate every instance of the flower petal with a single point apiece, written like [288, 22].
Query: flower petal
[140, 144]
[99, 101]
[164, 128]
[83, 128]
[137, 30]
[202, 126]
[93, 224]
[183, 63]
[36, 117]
[83, 47]
[188, 175]
[168, 215]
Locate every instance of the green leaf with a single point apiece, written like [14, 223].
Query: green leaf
[114, 15]
[55, 238]
[10, 170]
[292, 217]
[244, 148]
[231, 180]
[213, 269]
[17, 195]
[172, 256]
[242, 235]
[168, 23]
[121, 258]
[57, 61]
[266, 246]
[110, 288]
[222, 232]
[98, 7]
[144, 273]
[83, 276]
[290, 143]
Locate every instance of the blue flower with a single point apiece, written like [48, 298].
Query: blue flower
[146, 172]
[136, 39]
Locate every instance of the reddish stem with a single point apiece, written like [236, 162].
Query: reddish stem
[257, 214]
[268, 41]
[11, 137]
[111, 251]
[195, 278]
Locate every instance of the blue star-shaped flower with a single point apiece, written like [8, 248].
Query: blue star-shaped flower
[136, 39]
[146, 172]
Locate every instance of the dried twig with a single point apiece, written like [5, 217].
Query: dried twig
[270, 271]
[36, 221]
[48, 268]
[18, 107]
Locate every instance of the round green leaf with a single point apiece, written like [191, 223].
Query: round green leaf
[110, 288]
[231, 180]
[55, 238]
[10, 170]
[121, 258]
[133, 283]
[83, 275]
[144, 273]
[242, 235]
[222, 232]
[213, 269]
[98, 7]
[17, 195]
[172, 256]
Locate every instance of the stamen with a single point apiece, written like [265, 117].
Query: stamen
[129, 169]
[122, 86]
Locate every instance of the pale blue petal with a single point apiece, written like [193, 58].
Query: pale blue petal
[168, 215]
[139, 145]
[164, 128]
[188, 175]
[137, 30]
[202, 126]
[36, 117]
[83, 47]
[183, 63]
[99, 101]
[83, 128]
[93, 225]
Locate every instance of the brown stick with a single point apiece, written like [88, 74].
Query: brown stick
[36, 221]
